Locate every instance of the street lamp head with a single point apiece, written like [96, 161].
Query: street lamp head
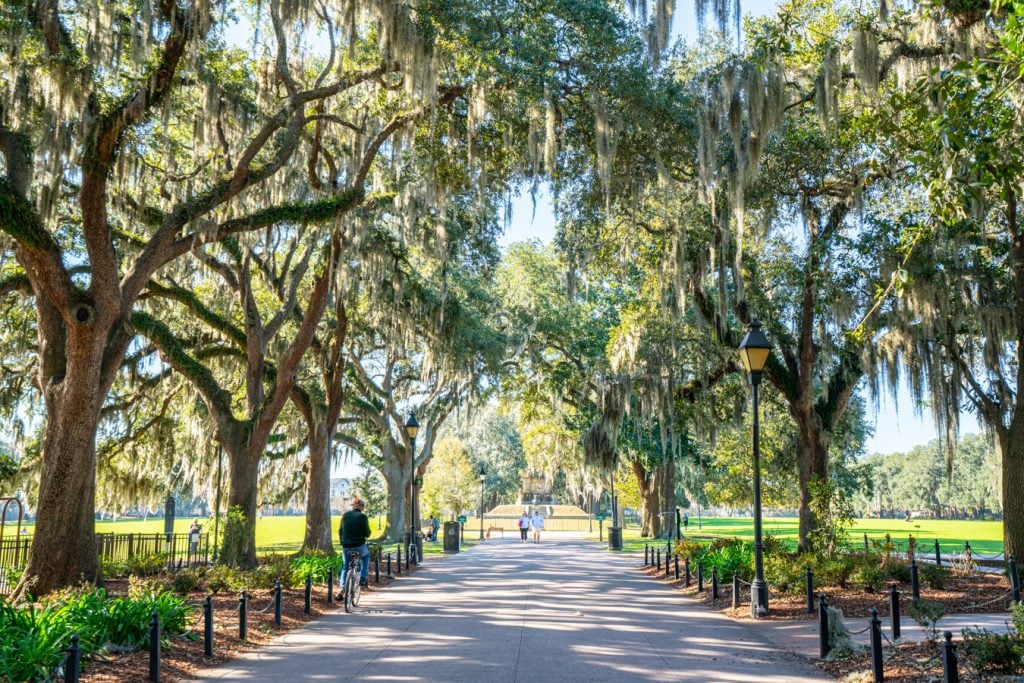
[754, 349]
[483, 474]
[412, 426]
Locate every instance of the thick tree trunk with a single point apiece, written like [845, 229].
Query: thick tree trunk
[318, 492]
[812, 464]
[667, 482]
[395, 479]
[239, 546]
[650, 522]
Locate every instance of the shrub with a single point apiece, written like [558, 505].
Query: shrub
[870, 577]
[898, 569]
[994, 653]
[932, 576]
[784, 573]
[927, 615]
[688, 549]
[277, 569]
[729, 556]
[33, 642]
[188, 580]
[222, 578]
[315, 563]
[835, 570]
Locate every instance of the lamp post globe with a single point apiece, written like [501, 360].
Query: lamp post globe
[754, 351]
[483, 477]
[412, 428]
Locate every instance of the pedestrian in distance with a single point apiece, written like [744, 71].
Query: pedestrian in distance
[686, 521]
[194, 532]
[524, 526]
[537, 524]
[434, 526]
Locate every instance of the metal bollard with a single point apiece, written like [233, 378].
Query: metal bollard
[646, 559]
[700, 577]
[894, 610]
[735, 590]
[330, 585]
[154, 647]
[714, 583]
[399, 560]
[938, 554]
[72, 661]
[915, 586]
[677, 567]
[809, 586]
[309, 594]
[950, 662]
[243, 616]
[277, 603]
[666, 566]
[876, 647]
[408, 555]
[208, 626]
[657, 562]
[824, 646]
[376, 567]
[1014, 579]
[686, 581]
[866, 541]
[389, 574]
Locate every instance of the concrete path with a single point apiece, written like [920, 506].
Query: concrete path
[564, 610]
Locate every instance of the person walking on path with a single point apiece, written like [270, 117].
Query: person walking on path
[524, 526]
[434, 526]
[355, 529]
[538, 525]
[686, 521]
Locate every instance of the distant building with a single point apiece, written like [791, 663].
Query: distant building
[535, 491]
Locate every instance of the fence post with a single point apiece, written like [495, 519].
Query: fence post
[969, 554]
[700, 577]
[950, 662]
[154, 648]
[915, 587]
[72, 661]
[277, 603]
[399, 559]
[809, 586]
[866, 541]
[686, 580]
[677, 567]
[389, 574]
[894, 610]
[1014, 579]
[376, 567]
[646, 555]
[666, 566]
[657, 562]
[309, 594]
[714, 582]
[735, 590]
[938, 554]
[824, 646]
[330, 584]
[243, 616]
[876, 647]
[208, 626]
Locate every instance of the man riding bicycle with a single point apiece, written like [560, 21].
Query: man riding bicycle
[354, 530]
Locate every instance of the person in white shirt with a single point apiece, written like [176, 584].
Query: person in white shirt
[537, 523]
[524, 526]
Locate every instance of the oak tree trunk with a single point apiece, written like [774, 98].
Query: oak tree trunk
[239, 546]
[318, 492]
[812, 464]
[394, 478]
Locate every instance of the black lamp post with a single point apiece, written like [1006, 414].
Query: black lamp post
[412, 428]
[483, 476]
[754, 350]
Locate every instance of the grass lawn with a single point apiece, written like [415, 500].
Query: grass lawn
[986, 537]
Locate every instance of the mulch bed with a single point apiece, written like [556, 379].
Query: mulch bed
[183, 656]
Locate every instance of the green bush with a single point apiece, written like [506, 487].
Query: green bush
[33, 642]
[729, 556]
[221, 578]
[316, 564]
[898, 569]
[927, 614]
[277, 569]
[784, 573]
[932, 576]
[188, 580]
[994, 653]
[869, 577]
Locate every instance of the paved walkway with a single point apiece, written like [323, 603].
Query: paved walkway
[565, 610]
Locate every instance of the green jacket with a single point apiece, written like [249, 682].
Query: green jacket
[355, 529]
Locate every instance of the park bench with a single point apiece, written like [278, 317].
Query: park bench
[495, 528]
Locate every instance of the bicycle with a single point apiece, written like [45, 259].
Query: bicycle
[352, 589]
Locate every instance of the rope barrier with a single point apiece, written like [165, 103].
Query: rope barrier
[863, 630]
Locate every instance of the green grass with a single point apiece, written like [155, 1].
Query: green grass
[985, 537]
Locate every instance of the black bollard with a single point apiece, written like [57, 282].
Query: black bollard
[894, 610]
[376, 567]
[666, 566]
[408, 555]
[950, 662]
[714, 583]
[646, 559]
[389, 574]
[1014, 579]
[686, 567]
[243, 616]
[915, 586]
[677, 567]
[809, 585]
[154, 647]
[668, 550]
[277, 603]
[824, 646]
[735, 590]
[399, 551]
[700, 577]
[865, 541]
[208, 626]
[657, 562]
[309, 594]
[938, 554]
[72, 661]
[876, 647]
[330, 585]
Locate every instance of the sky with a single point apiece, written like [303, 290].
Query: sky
[897, 427]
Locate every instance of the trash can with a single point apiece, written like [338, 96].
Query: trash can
[451, 537]
[615, 538]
